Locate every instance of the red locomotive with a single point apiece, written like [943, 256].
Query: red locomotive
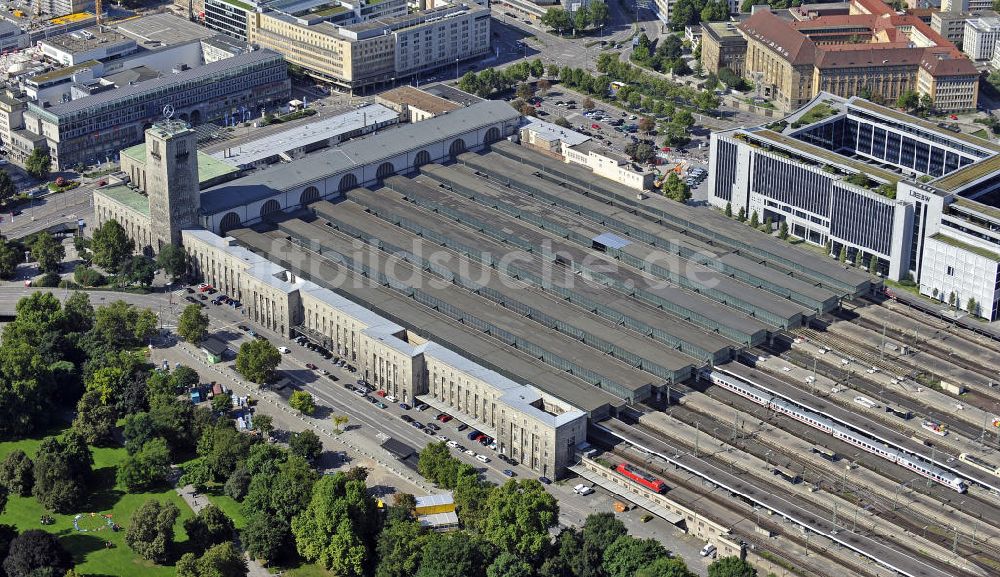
[642, 477]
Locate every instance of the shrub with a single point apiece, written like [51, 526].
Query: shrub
[87, 276]
[50, 279]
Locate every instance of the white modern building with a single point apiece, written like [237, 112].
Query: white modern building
[980, 37]
[965, 5]
[895, 193]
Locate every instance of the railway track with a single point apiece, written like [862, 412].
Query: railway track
[887, 396]
[893, 472]
[853, 494]
[816, 566]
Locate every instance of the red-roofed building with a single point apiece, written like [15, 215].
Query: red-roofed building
[871, 51]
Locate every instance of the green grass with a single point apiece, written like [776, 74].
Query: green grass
[88, 549]
[229, 506]
[303, 570]
[981, 133]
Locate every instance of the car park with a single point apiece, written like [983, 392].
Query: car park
[582, 489]
[708, 550]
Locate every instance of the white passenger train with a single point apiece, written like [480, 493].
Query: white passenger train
[911, 461]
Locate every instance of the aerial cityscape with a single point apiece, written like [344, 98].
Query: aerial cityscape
[521, 288]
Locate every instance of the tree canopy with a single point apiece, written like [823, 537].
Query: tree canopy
[257, 359]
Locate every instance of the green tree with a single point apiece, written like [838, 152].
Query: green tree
[48, 252]
[873, 267]
[729, 210]
[173, 260]
[306, 444]
[783, 230]
[552, 71]
[140, 269]
[192, 326]
[146, 468]
[209, 527]
[665, 567]
[676, 189]
[338, 526]
[598, 12]
[150, 531]
[111, 246]
[238, 483]
[256, 360]
[731, 567]
[121, 325]
[908, 100]
[95, 419]
[741, 215]
[557, 18]
[842, 255]
[221, 403]
[36, 553]
[730, 78]
[599, 531]
[972, 306]
[715, 11]
[581, 20]
[509, 565]
[302, 402]
[754, 220]
[223, 447]
[399, 547]
[138, 430]
[525, 91]
[339, 421]
[518, 516]
[265, 536]
[561, 121]
[62, 471]
[264, 424]
[9, 259]
[17, 475]
[705, 100]
[38, 163]
[222, 560]
[7, 189]
[451, 555]
[626, 555]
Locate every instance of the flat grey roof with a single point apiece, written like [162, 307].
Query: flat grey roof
[354, 215]
[198, 74]
[303, 135]
[569, 348]
[382, 200]
[163, 29]
[500, 166]
[363, 151]
[553, 132]
[701, 221]
[517, 365]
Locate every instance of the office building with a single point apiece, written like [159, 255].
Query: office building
[872, 50]
[912, 215]
[966, 5]
[92, 128]
[951, 25]
[980, 37]
[12, 37]
[377, 50]
[61, 7]
[722, 46]
[231, 17]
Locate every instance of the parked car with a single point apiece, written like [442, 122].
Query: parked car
[463, 427]
[404, 406]
[284, 350]
[545, 480]
[482, 458]
[311, 366]
[423, 407]
[406, 418]
[508, 472]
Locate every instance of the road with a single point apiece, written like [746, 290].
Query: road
[51, 209]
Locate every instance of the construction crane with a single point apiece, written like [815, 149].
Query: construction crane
[97, 10]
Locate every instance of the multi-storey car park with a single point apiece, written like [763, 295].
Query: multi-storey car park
[924, 213]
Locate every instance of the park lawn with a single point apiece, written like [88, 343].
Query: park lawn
[89, 550]
[231, 507]
[303, 570]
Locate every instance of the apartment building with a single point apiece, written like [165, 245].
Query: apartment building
[871, 51]
[914, 218]
[378, 49]
[980, 37]
[951, 25]
[93, 128]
